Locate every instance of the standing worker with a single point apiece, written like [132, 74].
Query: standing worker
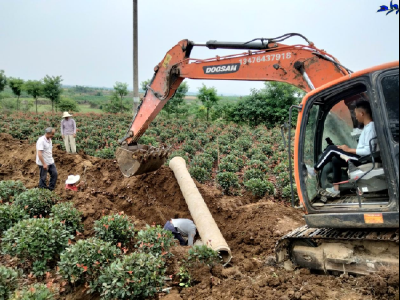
[68, 132]
[45, 160]
[182, 228]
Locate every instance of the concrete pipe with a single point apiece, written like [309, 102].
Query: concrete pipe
[205, 223]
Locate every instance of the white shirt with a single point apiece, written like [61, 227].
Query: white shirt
[45, 145]
[186, 228]
[368, 134]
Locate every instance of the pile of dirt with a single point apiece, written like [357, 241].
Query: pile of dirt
[251, 229]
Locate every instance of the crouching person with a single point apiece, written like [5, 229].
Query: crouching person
[72, 183]
[181, 229]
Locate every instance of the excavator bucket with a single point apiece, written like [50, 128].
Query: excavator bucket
[140, 159]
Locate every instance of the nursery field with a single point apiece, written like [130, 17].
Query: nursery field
[105, 241]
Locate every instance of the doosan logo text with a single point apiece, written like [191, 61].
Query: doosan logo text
[222, 69]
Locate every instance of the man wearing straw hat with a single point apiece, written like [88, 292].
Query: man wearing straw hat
[68, 132]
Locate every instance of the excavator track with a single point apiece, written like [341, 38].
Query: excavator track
[350, 251]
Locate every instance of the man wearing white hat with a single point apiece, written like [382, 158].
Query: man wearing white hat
[71, 183]
[68, 132]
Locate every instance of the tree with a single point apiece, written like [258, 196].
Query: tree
[34, 88]
[175, 103]
[115, 105]
[16, 85]
[209, 98]
[66, 104]
[121, 89]
[3, 80]
[52, 89]
[269, 106]
[144, 85]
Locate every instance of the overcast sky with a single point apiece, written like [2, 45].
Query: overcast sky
[89, 42]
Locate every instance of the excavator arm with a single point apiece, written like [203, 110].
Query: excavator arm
[304, 66]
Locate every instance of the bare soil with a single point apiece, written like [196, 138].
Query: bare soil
[250, 228]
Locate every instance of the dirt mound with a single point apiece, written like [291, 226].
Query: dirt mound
[251, 229]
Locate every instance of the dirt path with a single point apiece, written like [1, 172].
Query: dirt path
[251, 229]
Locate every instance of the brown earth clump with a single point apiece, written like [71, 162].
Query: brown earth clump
[251, 229]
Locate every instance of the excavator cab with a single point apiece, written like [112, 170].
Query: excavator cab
[369, 192]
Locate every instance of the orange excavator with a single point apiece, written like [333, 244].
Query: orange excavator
[357, 232]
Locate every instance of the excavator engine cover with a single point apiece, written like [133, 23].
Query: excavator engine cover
[140, 159]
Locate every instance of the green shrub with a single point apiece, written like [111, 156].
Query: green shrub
[85, 260]
[8, 281]
[228, 181]
[155, 240]
[244, 143]
[69, 215]
[260, 187]
[267, 149]
[253, 174]
[260, 157]
[283, 179]
[254, 151]
[228, 167]
[10, 189]
[10, 215]
[37, 202]
[179, 153]
[148, 140]
[281, 168]
[234, 160]
[256, 164]
[200, 174]
[212, 150]
[189, 149]
[105, 153]
[204, 161]
[202, 255]
[115, 229]
[35, 292]
[136, 276]
[36, 239]
[287, 193]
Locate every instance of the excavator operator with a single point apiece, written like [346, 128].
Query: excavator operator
[333, 153]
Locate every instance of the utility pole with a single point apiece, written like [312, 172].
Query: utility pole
[136, 98]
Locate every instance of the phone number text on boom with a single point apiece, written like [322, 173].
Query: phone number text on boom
[265, 58]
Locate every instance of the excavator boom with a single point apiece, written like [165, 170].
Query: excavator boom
[304, 66]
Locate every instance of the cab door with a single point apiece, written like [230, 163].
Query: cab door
[387, 102]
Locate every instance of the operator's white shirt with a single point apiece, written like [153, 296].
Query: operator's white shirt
[367, 135]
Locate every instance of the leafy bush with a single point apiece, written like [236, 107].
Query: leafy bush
[202, 255]
[115, 229]
[148, 140]
[179, 153]
[66, 104]
[244, 143]
[105, 153]
[287, 193]
[228, 181]
[260, 187]
[189, 149]
[8, 281]
[212, 150]
[234, 160]
[283, 179]
[260, 157]
[37, 202]
[35, 292]
[10, 189]
[69, 215]
[155, 240]
[228, 167]
[253, 174]
[36, 239]
[204, 161]
[136, 276]
[259, 165]
[10, 215]
[200, 174]
[86, 259]
[281, 168]
[267, 149]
